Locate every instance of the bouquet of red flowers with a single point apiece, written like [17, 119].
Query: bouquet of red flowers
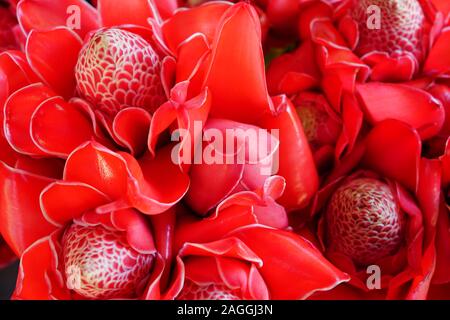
[214, 150]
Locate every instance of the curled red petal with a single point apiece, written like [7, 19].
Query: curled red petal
[39, 277]
[185, 23]
[438, 61]
[230, 215]
[18, 111]
[387, 69]
[413, 106]
[44, 50]
[131, 127]
[236, 78]
[107, 170]
[63, 201]
[307, 271]
[160, 185]
[59, 127]
[21, 218]
[398, 156]
[16, 73]
[44, 15]
[296, 163]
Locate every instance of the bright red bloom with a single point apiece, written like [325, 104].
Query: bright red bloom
[379, 206]
[101, 207]
[221, 257]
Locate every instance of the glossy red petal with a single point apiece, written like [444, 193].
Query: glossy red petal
[236, 78]
[393, 149]
[63, 201]
[19, 109]
[137, 227]
[43, 15]
[294, 72]
[22, 221]
[185, 23]
[438, 61]
[117, 12]
[232, 216]
[131, 127]
[39, 277]
[307, 271]
[296, 163]
[413, 106]
[229, 176]
[58, 127]
[44, 50]
[160, 185]
[387, 69]
[16, 73]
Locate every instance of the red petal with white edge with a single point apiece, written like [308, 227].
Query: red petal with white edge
[44, 15]
[236, 76]
[307, 271]
[226, 177]
[191, 64]
[230, 247]
[185, 23]
[413, 106]
[131, 127]
[63, 201]
[100, 168]
[19, 109]
[228, 262]
[139, 233]
[59, 127]
[159, 183]
[296, 163]
[16, 73]
[166, 8]
[39, 277]
[438, 61]
[393, 149]
[231, 214]
[118, 12]
[21, 218]
[387, 69]
[44, 50]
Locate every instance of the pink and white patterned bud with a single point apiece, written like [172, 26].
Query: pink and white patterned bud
[100, 264]
[117, 69]
[364, 221]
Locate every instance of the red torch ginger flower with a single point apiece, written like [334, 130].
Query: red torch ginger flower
[378, 208]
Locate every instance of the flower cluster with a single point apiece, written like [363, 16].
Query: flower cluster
[265, 149]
